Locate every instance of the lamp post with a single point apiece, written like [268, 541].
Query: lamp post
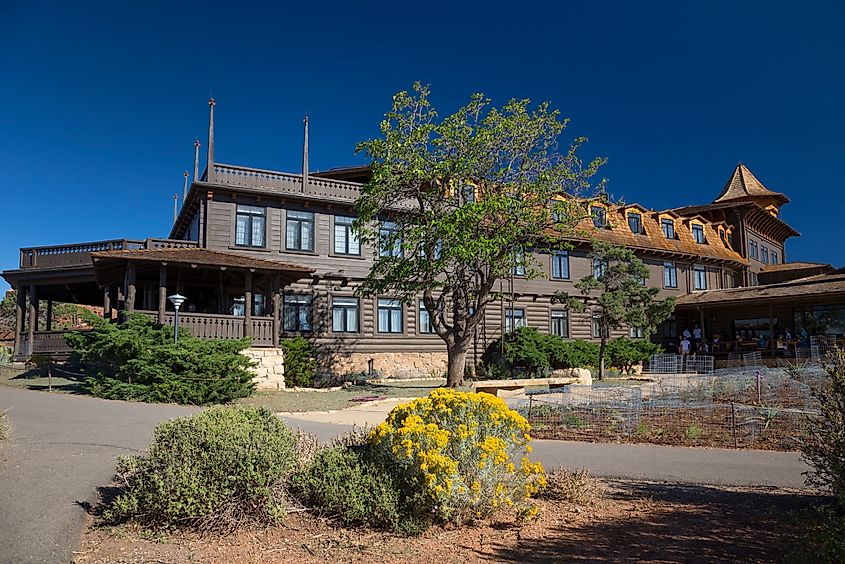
[177, 300]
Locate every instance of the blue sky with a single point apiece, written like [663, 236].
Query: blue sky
[100, 103]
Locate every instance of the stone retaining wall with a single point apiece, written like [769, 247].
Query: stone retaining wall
[270, 370]
[390, 365]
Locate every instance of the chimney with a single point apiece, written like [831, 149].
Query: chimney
[210, 165]
[305, 157]
[196, 159]
[185, 187]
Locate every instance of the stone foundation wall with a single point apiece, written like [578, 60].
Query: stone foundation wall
[390, 365]
[270, 370]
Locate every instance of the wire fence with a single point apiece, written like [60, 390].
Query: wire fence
[759, 408]
[679, 364]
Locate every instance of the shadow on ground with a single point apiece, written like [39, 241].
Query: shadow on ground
[676, 523]
[67, 380]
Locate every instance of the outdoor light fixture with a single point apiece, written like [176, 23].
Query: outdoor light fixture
[177, 300]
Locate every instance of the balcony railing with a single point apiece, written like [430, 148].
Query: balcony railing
[284, 183]
[79, 254]
[221, 326]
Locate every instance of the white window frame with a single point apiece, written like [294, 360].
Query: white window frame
[519, 319]
[344, 234]
[390, 306]
[299, 230]
[345, 305]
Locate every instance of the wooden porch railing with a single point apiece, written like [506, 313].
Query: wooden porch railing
[51, 343]
[79, 254]
[221, 326]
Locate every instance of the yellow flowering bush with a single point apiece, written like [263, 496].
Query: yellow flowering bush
[466, 454]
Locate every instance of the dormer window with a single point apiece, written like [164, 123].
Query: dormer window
[599, 215]
[468, 193]
[635, 222]
[698, 233]
[722, 236]
[668, 227]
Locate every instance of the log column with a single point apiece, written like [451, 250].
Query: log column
[162, 293]
[20, 304]
[248, 304]
[49, 326]
[106, 303]
[33, 318]
[130, 286]
[275, 291]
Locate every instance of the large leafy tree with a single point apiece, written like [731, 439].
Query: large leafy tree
[455, 202]
[617, 294]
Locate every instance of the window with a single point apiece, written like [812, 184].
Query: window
[514, 319]
[558, 211]
[670, 275]
[752, 249]
[344, 315]
[425, 324]
[730, 239]
[560, 323]
[345, 239]
[519, 263]
[698, 233]
[699, 277]
[560, 265]
[389, 316]
[722, 236]
[669, 328]
[258, 305]
[468, 193]
[774, 257]
[300, 231]
[635, 222]
[389, 239]
[597, 328]
[668, 227]
[599, 215]
[249, 226]
[438, 250]
[599, 267]
[194, 228]
[297, 312]
[764, 254]
[636, 333]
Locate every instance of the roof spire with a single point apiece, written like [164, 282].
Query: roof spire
[305, 155]
[185, 187]
[210, 165]
[196, 159]
[744, 186]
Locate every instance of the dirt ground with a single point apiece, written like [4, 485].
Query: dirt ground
[632, 521]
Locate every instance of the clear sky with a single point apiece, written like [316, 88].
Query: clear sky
[100, 103]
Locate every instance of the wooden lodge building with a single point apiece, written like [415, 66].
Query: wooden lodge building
[269, 255]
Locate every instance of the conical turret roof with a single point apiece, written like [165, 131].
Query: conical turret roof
[743, 185]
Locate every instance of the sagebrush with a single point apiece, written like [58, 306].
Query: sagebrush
[137, 360]
[219, 469]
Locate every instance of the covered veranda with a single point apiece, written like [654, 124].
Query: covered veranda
[776, 320]
[229, 296]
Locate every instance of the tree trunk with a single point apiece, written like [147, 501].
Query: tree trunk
[602, 347]
[457, 357]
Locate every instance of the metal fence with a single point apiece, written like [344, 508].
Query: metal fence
[759, 408]
[679, 364]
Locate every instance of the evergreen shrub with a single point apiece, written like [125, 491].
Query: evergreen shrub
[218, 469]
[137, 360]
[300, 364]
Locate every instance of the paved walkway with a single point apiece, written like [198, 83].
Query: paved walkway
[63, 447]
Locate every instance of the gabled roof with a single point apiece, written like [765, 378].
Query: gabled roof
[743, 185]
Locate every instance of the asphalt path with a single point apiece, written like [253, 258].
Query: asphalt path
[63, 448]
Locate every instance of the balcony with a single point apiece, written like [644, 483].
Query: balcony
[284, 183]
[79, 254]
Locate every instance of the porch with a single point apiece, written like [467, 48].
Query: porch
[228, 296]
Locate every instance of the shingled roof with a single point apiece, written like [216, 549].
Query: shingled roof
[832, 285]
[743, 185]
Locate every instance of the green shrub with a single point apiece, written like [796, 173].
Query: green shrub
[527, 348]
[346, 484]
[300, 364]
[218, 469]
[572, 354]
[137, 360]
[463, 455]
[624, 353]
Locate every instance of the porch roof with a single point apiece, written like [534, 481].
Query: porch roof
[812, 287]
[197, 258]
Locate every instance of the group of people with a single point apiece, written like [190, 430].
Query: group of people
[691, 341]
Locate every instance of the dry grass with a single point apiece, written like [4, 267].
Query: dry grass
[574, 486]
